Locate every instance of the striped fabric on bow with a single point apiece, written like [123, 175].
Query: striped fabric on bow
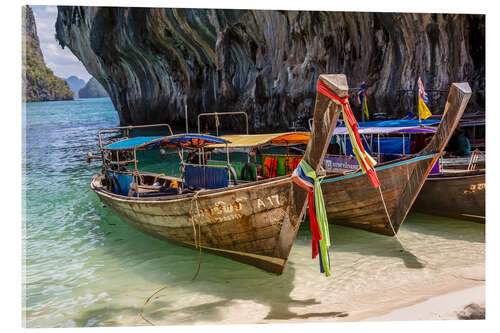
[306, 177]
[366, 162]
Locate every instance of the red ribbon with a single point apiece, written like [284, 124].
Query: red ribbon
[316, 234]
[323, 88]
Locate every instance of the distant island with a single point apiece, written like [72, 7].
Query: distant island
[39, 82]
[75, 84]
[93, 89]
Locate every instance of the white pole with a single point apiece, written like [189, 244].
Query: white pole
[378, 149]
[186, 113]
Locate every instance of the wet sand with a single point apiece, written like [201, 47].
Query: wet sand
[427, 300]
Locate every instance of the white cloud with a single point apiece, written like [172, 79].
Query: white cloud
[62, 62]
[51, 9]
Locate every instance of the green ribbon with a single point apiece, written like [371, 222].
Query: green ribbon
[319, 208]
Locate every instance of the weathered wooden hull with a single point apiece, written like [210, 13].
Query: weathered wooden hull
[459, 195]
[253, 224]
[352, 201]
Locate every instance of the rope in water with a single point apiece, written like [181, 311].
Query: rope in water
[197, 243]
[389, 218]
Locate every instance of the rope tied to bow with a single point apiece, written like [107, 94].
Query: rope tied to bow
[197, 240]
[365, 161]
[305, 176]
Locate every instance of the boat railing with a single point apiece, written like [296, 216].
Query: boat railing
[217, 114]
[107, 160]
[474, 157]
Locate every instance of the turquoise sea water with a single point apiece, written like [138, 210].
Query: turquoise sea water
[83, 267]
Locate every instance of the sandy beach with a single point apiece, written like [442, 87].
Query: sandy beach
[425, 299]
[442, 307]
[441, 300]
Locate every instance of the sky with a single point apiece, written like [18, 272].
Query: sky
[62, 62]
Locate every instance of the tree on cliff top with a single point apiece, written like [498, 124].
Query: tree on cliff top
[39, 82]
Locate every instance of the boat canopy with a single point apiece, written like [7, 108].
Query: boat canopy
[173, 141]
[388, 130]
[253, 140]
[399, 123]
[398, 126]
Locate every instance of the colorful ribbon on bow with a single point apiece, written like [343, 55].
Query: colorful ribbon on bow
[306, 177]
[366, 162]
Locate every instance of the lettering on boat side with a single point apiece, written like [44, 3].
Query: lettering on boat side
[223, 211]
[269, 200]
[475, 187]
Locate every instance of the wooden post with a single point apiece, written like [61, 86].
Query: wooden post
[455, 105]
[458, 98]
[416, 101]
[326, 114]
[135, 159]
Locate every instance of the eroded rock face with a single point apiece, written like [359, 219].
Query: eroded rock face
[38, 81]
[267, 62]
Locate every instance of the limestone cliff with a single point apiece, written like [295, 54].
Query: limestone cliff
[75, 83]
[39, 82]
[92, 89]
[267, 62]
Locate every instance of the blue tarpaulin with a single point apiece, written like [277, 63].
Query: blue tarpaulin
[392, 145]
[121, 182]
[206, 177]
[349, 146]
[133, 142]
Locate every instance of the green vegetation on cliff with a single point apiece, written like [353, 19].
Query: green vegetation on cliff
[93, 89]
[39, 82]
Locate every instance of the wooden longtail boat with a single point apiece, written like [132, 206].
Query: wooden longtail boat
[352, 201]
[454, 193]
[254, 222]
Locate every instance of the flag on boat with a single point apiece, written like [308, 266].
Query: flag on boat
[423, 100]
[362, 99]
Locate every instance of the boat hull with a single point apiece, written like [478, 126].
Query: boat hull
[352, 201]
[253, 224]
[459, 195]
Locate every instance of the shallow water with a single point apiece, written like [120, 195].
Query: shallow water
[84, 267]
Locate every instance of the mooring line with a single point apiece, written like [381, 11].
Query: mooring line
[389, 218]
[197, 243]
